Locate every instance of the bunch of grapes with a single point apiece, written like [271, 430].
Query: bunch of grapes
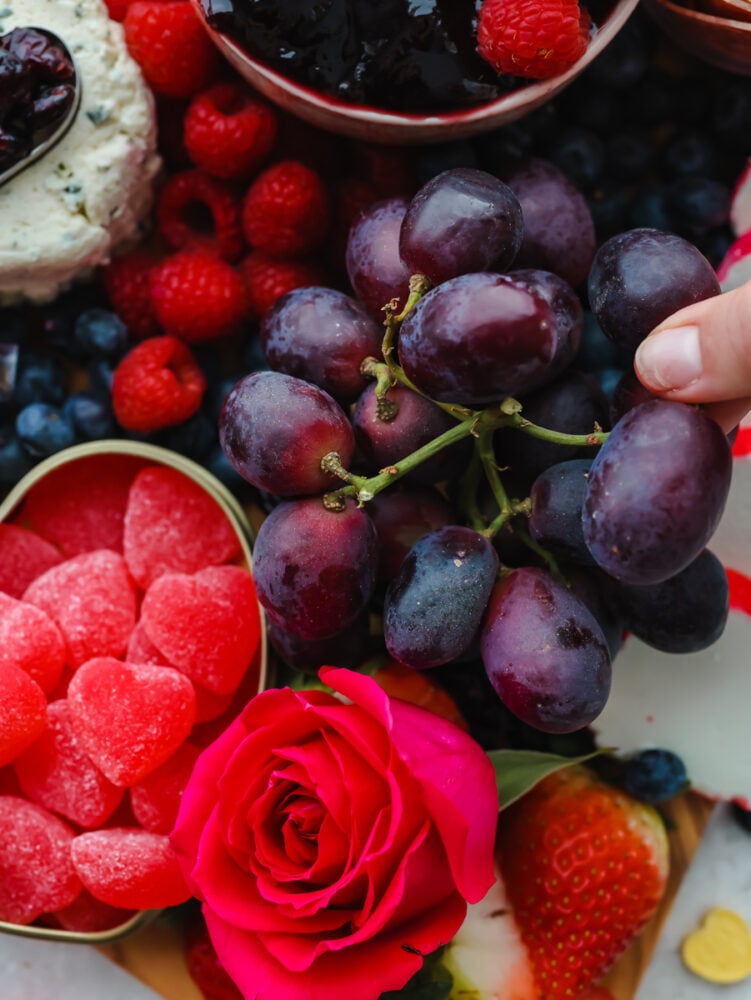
[451, 469]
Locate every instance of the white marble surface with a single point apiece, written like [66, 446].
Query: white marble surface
[47, 970]
[720, 876]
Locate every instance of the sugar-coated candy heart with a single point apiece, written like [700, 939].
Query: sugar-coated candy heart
[92, 598]
[156, 798]
[142, 650]
[210, 730]
[56, 773]
[23, 712]
[81, 505]
[206, 624]
[172, 525]
[9, 782]
[131, 868]
[35, 860]
[88, 915]
[130, 717]
[29, 639]
[25, 556]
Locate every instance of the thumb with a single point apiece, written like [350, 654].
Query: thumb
[701, 354]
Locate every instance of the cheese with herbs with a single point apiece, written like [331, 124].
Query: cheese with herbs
[90, 193]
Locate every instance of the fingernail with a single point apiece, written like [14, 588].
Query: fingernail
[670, 359]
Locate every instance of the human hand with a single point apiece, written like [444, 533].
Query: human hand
[702, 354]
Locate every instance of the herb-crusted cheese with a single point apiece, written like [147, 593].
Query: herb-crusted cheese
[88, 195]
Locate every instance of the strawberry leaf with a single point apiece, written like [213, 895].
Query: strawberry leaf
[518, 771]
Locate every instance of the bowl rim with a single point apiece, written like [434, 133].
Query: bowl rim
[245, 534]
[698, 16]
[515, 100]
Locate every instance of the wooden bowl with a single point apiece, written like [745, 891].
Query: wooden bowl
[735, 10]
[379, 126]
[721, 41]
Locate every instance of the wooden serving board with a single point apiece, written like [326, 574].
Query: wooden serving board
[155, 955]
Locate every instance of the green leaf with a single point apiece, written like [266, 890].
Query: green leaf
[518, 771]
[432, 982]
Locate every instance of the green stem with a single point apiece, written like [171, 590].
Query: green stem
[487, 457]
[549, 560]
[467, 498]
[363, 489]
[517, 421]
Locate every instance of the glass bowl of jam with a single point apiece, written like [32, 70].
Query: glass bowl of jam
[396, 71]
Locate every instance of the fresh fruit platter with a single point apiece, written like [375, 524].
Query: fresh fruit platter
[375, 553]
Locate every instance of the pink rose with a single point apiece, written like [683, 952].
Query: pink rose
[332, 844]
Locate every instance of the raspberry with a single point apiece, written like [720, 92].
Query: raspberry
[286, 210]
[169, 43]
[267, 278]
[181, 211]
[228, 132]
[127, 282]
[197, 296]
[532, 38]
[156, 385]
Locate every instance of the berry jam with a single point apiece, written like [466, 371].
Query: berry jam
[403, 55]
[37, 89]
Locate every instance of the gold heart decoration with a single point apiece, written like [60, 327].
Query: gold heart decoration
[720, 950]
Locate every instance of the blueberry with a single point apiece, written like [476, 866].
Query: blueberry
[655, 776]
[100, 374]
[44, 429]
[656, 100]
[444, 156]
[609, 204]
[697, 205]
[90, 415]
[217, 393]
[101, 334]
[608, 379]
[629, 154]
[581, 155]
[692, 151]
[194, 438]
[253, 359]
[742, 816]
[716, 244]
[15, 461]
[596, 350]
[625, 61]
[649, 209]
[40, 379]
[595, 108]
[219, 465]
[732, 115]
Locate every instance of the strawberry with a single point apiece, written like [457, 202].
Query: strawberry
[580, 869]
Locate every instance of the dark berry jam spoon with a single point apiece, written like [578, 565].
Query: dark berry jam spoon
[40, 93]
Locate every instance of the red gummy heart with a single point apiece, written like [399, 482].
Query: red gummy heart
[26, 556]
[172, 525]
[81, 505]
[23, 712]
[56, 773]
[37, 871]
[29, 639]
[207, 625]
[128, 717]
[131, 868]
[156, 799]
[92, 599]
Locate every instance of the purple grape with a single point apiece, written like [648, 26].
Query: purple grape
[323, 336]
[557, 497]
[544, 653]
[656, 491]
[402, 515]
[348, 648]
[640, 277]
[565, 303]
[275, 429]
[628, 393]
[374, 267]
[593, 588]
[436, 602]
[559, 234]
[478, 338]
[683, 614]
[462, 220]
[315, 569]
[384, 442]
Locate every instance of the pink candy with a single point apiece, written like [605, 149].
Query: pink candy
[35, 860]
[129, 718]
[207, 624]
[156, 798]
[92, 599]
[56, 773]
[26, 556]
[29, 639]
[172, 525]
[23, 712]
[131, 868]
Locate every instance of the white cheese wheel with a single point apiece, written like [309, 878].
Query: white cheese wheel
[89, 194]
